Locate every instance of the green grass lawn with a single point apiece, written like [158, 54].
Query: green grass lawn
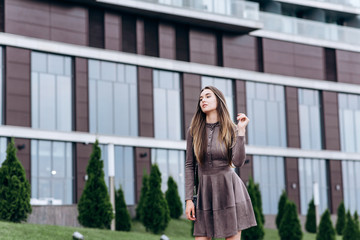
[177, 230]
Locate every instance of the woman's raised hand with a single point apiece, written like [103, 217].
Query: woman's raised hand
[243, 121]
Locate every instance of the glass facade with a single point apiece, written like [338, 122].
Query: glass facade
[113, 98]
[124, 170]
[51, 92]
[51, 173]
[171, 163]
[167, 105]
[226, 87]
[3, 146]
[269, 173]
[266, 111]
[351, 185]
[311, 170]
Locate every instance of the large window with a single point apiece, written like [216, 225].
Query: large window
[171, 163]
[167, 105]
[113, 98]
[124, 170]
[3, 146]
[269, 173]
[351, 185]
[51, 172]
[349, 116]
[51, 92]
[266, 111]
[225, 86]
[311, 170]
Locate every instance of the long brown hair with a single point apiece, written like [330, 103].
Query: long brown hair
[226, 131]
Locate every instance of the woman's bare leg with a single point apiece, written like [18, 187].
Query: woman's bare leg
[202, 238]
[235, 237]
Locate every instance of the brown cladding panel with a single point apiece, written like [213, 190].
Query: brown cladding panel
[82, 157]
[142, 162]
[330, 64]
[240, 51]
[2, 16]
[331, 121]
[292, 117]
[23, 153]
[151, 37]
[348, 70]
[128, 33]
[140, 36]
[182, 42]
[145, 99]
[191, 91]
[112, 32]
[240, 96]
[167, 41]
[336, 184]
[96, 28]
[292, 180]
[18, 97]
[203, 47]
[81, 95]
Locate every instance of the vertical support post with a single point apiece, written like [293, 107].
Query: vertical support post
[111, 170]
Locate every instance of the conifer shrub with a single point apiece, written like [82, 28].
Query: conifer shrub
[356, 221]
[310, 224]
[281, 208]
[290, 227]
[256, 232]
[326, 229]
[259, 202]
[340, 223]
[95, 210]
[349, 232]
[156, 214]
[14, 188]
[122, 216]
[173, 199]
[142, 200]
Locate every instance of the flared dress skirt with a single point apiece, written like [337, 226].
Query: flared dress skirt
[223, 206]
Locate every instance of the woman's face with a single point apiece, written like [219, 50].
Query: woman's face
[208, 101]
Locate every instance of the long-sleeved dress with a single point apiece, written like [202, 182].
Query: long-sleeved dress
[223, 205]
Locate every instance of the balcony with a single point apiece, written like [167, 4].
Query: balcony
[310, 29]
[232, 15]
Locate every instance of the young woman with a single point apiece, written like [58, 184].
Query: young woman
[223, 205]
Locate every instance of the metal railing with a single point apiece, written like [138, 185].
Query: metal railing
[232, 8]
[311, 29]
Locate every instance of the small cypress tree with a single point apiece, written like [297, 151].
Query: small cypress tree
[144, 190]
[349, 232]
[259, 202]
[122, 216]
[356, 221]
[290, 227]
[14, 188]
[340, 223]
[310, 224]
[326, 229]
[95, 210]
[156, 214]
[173, 199]
[256, 232]
[281, 208]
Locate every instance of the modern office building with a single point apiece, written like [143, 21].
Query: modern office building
[129, 73]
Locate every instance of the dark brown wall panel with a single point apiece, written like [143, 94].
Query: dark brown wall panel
[56, 21]
[336, 184]
[331, 121]
[293, 59]
[145, 97]
[128, 33]
[292, 117]
[240, 98]
[82, 157]
[203, 46]
[330, 64]
[151, 36]
[140, 36]
[17, 82]
[292, 180]
[2, 16]
[167, 41]
[113, 30]
[96, 28]
[240, 52]
[81, 95]
[142, 162]
[24, 155]
[191, 91]
[182, 42]
[348, 70]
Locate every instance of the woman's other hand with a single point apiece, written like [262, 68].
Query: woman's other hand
[243, 121]
[190, 210]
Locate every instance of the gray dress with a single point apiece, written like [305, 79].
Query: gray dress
[224, 207]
